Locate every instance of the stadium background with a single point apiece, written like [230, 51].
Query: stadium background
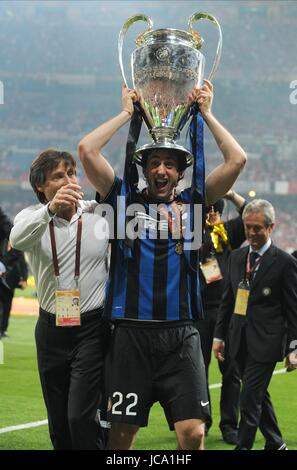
[60, 75]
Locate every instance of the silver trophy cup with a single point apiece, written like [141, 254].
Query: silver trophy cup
[166, 65]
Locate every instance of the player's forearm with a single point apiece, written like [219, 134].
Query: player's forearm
[236, 199]
[230, 148]
[98, 170]
[91, 145]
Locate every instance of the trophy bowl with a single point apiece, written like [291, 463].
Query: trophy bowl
[165, 67]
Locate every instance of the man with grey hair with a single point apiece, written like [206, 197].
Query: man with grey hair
[259, 315]
[261, 206]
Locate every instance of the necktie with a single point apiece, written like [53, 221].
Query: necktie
[253, 258]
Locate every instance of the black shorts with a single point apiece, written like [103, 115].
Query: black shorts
[154, 363]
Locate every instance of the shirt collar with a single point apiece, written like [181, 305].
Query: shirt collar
[80, 209]
[79, 212]
[263, 248]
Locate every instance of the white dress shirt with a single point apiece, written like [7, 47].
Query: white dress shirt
[263, 248]
[31, 234]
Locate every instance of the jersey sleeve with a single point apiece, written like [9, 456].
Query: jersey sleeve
[111, 198]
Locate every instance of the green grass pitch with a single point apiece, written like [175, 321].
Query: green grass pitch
[21, 401]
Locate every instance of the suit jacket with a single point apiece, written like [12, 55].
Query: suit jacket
[5, 226]
[18, 273]
[11, 257]
[271, 319]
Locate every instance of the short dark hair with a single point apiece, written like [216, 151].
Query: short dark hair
[181, 160]
[217, 206]
[44, 163]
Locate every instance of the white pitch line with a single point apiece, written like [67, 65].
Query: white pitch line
[279, 371]
[35, 424]
[276, 372]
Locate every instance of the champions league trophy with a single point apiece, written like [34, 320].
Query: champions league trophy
[166, 65]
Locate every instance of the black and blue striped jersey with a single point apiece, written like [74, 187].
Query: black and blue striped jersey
[155, 281]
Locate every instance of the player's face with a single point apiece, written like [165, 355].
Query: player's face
[55, 179]
[162, 175]
[256, 230]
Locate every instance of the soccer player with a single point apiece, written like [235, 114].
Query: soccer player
[153, 294]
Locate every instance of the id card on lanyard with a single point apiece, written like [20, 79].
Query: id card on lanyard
[67, 308]
[67, 300]
[243, 290]
[211, 270]
[242, 297]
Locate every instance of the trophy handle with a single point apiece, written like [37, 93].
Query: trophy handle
[199, 41]
[139, 40]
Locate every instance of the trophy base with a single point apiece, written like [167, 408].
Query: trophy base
[185, 157]
[164, 134]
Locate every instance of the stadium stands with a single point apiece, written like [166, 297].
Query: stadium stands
[60, 72]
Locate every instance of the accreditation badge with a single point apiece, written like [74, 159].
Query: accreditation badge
[211, 271]
[242, 297]
[67, 308]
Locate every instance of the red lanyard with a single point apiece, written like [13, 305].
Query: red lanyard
[176, 229]
[77, 250]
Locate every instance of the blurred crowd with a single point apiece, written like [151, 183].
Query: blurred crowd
[55, 90]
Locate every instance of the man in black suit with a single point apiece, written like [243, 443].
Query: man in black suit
[259, 315]
[220, 238]
[15, 278]
[8, 260]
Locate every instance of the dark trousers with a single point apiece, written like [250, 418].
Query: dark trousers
[6, 297]
[256, 409]
[70, 362]
[230, 391]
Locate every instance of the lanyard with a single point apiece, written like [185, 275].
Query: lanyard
[179, 223]
[175, 230]
[77, 250]
[250, 271]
